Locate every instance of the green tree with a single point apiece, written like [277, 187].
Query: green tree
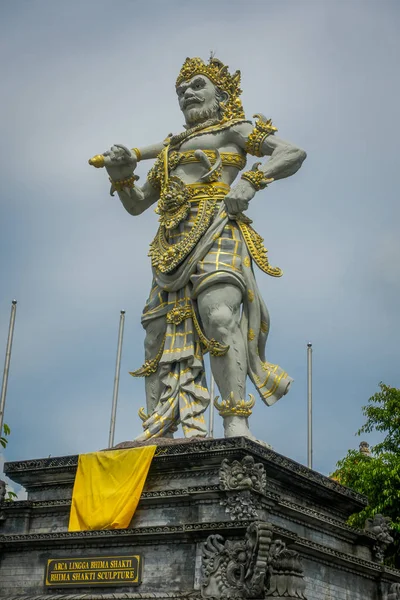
[377, 475]
[4, 435]
[3, 442]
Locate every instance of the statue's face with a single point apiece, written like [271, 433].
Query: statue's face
[198, 99]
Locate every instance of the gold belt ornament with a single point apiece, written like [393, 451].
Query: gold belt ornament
[173, 208]
[179, 313]
[165, 256]
[173, 205]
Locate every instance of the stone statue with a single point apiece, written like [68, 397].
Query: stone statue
[239, 479]
[364, 449]
[204, 296]
[394, 592]
[380, 527]
[254, 567]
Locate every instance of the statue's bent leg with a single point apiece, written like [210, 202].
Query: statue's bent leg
[155, 331]
[219, 308]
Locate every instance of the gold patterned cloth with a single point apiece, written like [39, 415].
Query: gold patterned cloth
[223, 253]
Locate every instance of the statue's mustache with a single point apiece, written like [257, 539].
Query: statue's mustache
[192, 100]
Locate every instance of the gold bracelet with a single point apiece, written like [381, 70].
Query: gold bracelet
[120, 184]
[138, 153]
[257, 179]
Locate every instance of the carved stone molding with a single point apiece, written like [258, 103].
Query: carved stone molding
[2, 490]
[379, 526]
[394, 592]
[242, 475]
[298, 469]
[285, 577]
[322, 519]
[27, 470]
[113, 596]
[241, 506]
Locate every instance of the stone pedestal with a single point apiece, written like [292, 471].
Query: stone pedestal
[217, 518]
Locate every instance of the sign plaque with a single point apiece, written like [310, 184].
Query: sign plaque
[94, 571]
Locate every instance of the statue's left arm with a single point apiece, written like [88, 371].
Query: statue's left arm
[259, 140]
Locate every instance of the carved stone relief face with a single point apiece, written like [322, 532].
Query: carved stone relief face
[198, 99]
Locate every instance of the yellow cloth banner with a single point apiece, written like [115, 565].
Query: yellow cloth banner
[107, 488]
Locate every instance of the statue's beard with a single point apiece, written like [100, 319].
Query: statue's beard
[196, 115]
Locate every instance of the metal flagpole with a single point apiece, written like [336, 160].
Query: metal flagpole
[7, 363]
[211, 418]
[309, 406]
[116, 379]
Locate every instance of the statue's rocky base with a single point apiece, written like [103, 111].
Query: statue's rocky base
[225, 518]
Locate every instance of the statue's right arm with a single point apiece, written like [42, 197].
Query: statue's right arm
[120, 163]
[151, 151]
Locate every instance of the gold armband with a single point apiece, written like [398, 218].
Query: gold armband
[263, 128]
[120, 184]
[257, 179]
[138, 153]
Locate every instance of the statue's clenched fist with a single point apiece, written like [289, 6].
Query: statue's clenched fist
[120, 162]
[237, 200]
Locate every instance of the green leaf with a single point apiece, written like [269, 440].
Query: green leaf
[11, 495]
[377, 476]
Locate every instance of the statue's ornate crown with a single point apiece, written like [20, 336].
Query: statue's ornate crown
[218, 73]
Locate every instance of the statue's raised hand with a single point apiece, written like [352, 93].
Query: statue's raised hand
[237, 200]
[120, 162]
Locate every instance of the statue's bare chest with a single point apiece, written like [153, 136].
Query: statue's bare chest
[210, 141]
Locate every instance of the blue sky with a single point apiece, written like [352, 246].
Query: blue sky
[80, 76]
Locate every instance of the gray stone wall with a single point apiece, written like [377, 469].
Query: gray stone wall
[327, 583]
[187, 498]
[168, 567]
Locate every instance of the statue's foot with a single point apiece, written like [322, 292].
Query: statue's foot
[239, 426]
[264, 444]
[236, 427]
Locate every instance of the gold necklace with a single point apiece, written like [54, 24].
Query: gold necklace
[180, 137]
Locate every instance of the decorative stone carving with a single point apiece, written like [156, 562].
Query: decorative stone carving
[2, 490]
[285, 574]
[236, 569]
[379, 525]
[394, 592]
[241, 506]
[242, 475]
[364, 448]
[255, 567]
[239, 479]
[2, 497]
